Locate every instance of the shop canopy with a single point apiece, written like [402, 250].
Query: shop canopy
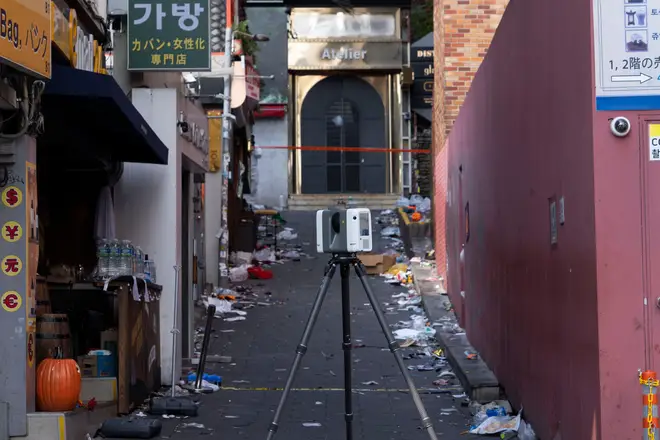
[78, 101]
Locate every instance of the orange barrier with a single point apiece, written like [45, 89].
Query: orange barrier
[358, 149]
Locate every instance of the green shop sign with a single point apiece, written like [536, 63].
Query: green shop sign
[169, 35]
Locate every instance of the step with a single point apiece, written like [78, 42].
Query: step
[310, 202]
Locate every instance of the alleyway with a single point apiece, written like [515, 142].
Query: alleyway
[262, 348]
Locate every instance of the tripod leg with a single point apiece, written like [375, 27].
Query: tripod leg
[344, 271]
[394, 348]
[301, 349]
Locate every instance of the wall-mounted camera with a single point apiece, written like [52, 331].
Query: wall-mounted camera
[620, 126]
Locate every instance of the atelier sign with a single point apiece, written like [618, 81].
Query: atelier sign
[343, 54]
[328, 55]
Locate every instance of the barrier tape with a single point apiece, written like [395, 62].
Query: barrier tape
[450, 389]
[357, 149]
[649, 381]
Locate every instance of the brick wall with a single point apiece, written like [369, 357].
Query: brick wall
[465, 34]
[469, 26]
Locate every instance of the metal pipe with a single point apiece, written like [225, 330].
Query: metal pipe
[210, 314]
[175, 330]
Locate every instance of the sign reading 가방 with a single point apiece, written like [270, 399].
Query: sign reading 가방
[25, 35]
[627, 54]
[169, 35]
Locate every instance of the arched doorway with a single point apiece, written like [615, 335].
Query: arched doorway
[343, 111]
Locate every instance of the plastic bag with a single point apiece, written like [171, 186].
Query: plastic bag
[402, 202]
[525, 431]
[238, 274]
[497, 424]
[390, 231]
[264, 254]
[287, 234]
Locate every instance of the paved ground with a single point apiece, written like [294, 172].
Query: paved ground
[262, 348]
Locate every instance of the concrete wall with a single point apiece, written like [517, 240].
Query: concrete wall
[272, 176]
[148, 203]
[524, 136]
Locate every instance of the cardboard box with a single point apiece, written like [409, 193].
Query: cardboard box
[376, 264]
[98, 366]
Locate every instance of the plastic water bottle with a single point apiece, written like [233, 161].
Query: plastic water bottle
[103, 255]
[147, 268]
[113, 260]
[139, 261]
[126, 258]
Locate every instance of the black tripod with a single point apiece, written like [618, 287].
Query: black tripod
[344, 261]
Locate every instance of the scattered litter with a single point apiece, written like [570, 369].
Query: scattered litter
[311, 425]
[318, 403]
[370, 382]
[497, 424]
[192, 425]
[235, 318]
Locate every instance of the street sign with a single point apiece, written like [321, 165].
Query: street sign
[627, 54]
[169, 35]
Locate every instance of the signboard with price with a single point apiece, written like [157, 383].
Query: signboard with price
[25, 36]
[627, 54]
[169, 35]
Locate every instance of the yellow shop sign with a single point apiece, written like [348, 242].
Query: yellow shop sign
[82, 50]
[25, 36]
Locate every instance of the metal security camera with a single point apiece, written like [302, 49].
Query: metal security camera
[620, 126]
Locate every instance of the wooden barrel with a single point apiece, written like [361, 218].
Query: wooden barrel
[52, 332]
[42, 297]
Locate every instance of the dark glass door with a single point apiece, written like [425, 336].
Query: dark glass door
[342, 130]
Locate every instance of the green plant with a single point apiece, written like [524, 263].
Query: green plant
[242, 33]
[421, 20]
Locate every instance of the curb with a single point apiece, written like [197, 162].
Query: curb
[477, 379]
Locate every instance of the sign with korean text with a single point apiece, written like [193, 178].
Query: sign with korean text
[169, 35]
[25, 35]
[627, 54]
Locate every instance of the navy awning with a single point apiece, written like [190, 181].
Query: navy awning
[76, 101]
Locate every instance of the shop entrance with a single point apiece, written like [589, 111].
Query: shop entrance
[343, 111]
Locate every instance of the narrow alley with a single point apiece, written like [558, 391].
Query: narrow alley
[262, 349]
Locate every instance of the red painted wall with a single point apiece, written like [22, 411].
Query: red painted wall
[524, 135]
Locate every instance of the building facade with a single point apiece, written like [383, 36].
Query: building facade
[553, 206]
[345, 91]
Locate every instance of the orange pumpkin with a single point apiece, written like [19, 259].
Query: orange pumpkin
[58, 384]
[416, 216]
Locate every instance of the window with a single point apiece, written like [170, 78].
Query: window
[318, 25]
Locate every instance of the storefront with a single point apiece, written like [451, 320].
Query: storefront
[82, 128]
[91, 130]
[344, 73]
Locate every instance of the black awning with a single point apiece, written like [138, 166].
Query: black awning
[424, 113]
[76, 100]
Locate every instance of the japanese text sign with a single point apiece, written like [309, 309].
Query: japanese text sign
[169, 35]
[627, 54]
[25, 35]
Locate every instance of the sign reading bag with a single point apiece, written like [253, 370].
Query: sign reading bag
[25, 36]
[169, 35]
